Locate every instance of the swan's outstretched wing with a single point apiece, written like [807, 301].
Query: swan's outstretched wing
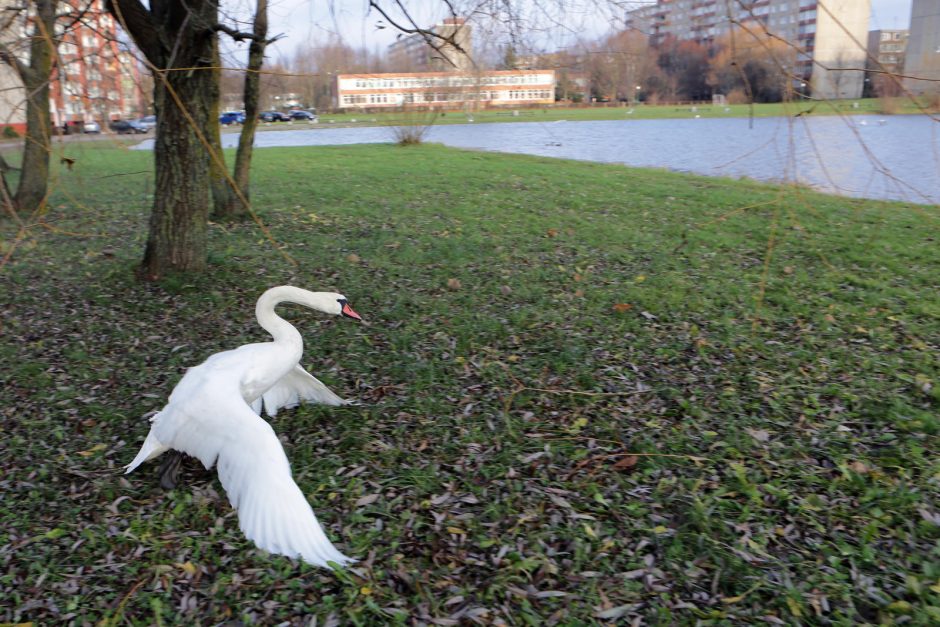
[295, 387]
[272, 511]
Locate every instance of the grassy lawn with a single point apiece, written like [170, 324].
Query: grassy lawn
[591, 394]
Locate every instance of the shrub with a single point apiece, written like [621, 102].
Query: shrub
[10, 133]
[412, 125]
[737, 96]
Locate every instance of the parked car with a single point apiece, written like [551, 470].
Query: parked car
[232, 117]
[300, 114]
[148, 121]
[91, 127]
[273, 116]
[124, 127]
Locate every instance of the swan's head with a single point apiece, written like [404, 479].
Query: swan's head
[344, 309]
[327, 302]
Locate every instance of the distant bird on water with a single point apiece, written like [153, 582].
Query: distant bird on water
[214, 412]
[806, 112]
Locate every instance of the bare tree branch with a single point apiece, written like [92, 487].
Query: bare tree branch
[7, 56]
[437, 41]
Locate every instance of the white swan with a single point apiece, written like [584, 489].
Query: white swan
[213, 415]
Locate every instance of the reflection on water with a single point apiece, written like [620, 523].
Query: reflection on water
[894, 157]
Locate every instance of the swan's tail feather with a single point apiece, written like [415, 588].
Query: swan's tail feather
[152, 448]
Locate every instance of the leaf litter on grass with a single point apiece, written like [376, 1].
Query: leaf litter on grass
[532, 454]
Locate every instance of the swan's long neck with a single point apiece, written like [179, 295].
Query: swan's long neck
[283, 332]
[280, 329]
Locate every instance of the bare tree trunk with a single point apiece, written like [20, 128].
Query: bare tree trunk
[252, 91]
[34, 170]
[178, 38]
[178, 220]
[222, 193]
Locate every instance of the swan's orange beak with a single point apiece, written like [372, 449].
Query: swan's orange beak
[349, 313]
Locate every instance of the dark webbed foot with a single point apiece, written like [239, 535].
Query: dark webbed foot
[170, 469]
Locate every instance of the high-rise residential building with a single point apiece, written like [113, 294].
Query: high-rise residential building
[829, 36]
[93, 78]
[886, 50]
[415, 54]
[922, 59]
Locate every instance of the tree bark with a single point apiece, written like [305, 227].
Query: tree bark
[222, 193]
[236, 208]
[177, 38]
[33, 185]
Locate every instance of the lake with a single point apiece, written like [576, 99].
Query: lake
[884, 157]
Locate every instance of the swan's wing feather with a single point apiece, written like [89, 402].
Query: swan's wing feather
[296, 387]
[272, 511]
[218, 427]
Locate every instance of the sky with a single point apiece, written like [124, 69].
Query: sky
[890, 14]
[313, 21]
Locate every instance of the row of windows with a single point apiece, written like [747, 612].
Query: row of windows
[775, 13]
[411, 98]
[449, 81]
[890, 36]
[530, 94]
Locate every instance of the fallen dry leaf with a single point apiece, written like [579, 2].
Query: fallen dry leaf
[759, 434]
[626, 462]
[368, 499]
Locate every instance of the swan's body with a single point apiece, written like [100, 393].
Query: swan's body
[213, 415]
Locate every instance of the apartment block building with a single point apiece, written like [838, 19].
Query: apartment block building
[414, 54]
[444, 89]
[93, 77]
[886, 49]
[829, 36]
[922, 58]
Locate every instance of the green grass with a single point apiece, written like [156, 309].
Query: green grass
[689, 400]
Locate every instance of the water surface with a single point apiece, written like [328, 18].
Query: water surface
[890, 157]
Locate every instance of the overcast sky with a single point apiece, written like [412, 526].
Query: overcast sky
[890, 14]
[314, 20]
